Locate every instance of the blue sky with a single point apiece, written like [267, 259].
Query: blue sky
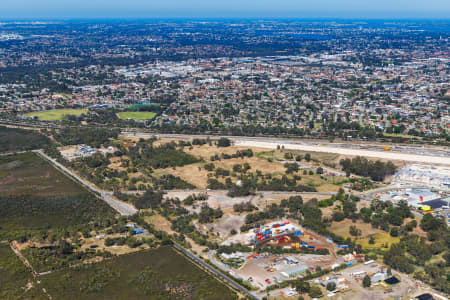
[224, 8]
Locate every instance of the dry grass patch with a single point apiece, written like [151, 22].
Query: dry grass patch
[115, 249]
[381, 239]
[189, 173]
[160, 223]
[342, 228]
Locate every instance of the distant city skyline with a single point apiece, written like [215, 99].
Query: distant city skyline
[224, 9]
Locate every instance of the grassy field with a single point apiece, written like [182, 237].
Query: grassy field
[136, 115]
[36, 196]
[15, 277]
[57, 114]
[154, 274]
[381, 239]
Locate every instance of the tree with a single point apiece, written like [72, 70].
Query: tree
[319, 170]
[429, 223]
[223, 142]
[371, 240]
[354, 231]
[65, 247]
[394, 231]
[308, 157]
[331, 286]
[302, 286]
[366, 281]
[315, 292]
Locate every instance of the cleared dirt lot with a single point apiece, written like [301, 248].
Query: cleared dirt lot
[261, 269]
[406, 286]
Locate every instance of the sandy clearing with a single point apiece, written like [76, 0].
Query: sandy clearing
[354, 152]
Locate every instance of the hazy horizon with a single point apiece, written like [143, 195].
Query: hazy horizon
[140, 9]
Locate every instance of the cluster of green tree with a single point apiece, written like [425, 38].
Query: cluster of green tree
[340, 196]
[244, 207]
[59, 256]
[377, 170]
[291, 168]
[23, 217]
[191, 199]
[171, 182]
[223, 142]
[241, 168]
[291, 156]
[361, 184]
[414, 253]
[182, 224]
[130, 241]
[221, 172]
[238, 154]
[208, 214]
[304, 287]
[250, 184]
[272, 211]
[214, 184]
[200, 142]
[150, 199]
[94, 137]
[16, 139]
[97, 116]
[95, 169]
[145, 155]
[380, 214]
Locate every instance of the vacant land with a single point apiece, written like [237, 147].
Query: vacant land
[16, 139]
[154, 274]
[342, 228]
[136, 115]
[381, 238]
[266, 162]
[36, 196]
[57, 114]
[28, 174]
[16, 281]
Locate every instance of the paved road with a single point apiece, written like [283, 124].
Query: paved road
[121, 207]
[214, 271]
[368, 194]
[437, 159]
[422, 154]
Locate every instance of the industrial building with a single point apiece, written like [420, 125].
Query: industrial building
[295, 271]
[432, 176]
